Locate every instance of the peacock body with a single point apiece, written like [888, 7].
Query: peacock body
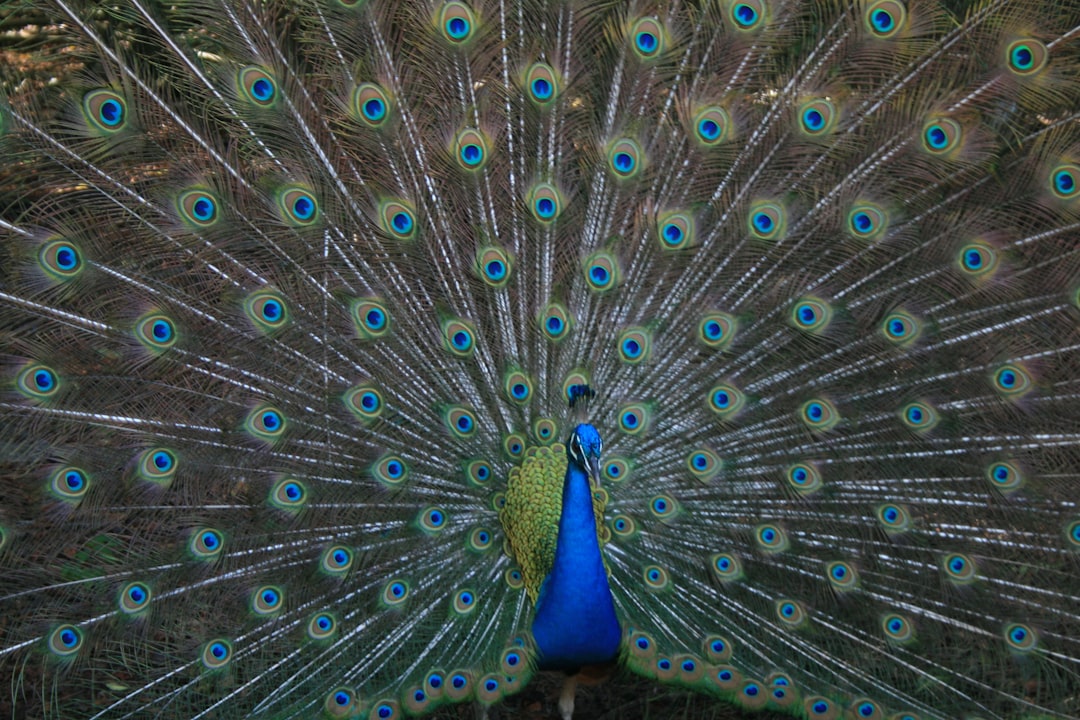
[296, 298]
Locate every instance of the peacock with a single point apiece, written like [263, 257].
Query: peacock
[373, 359]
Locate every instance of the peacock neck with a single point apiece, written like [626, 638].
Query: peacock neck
[575, 621]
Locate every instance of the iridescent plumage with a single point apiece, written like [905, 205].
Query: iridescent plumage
[296, 297]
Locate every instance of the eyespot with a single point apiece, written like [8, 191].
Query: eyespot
[978, 260]
[341, 703]
[803, 478]
[298, 206]
[470, 150]
[322, 626]
[641, 645]
[398, 219]
[634, 344]
[435, 683]
[601, 271]
[1065, 181]
[265, 423]
[1012, 381]
[770, 538]
[257, 86]
[395, 592]
[703, 464]
[542, 83]
[726, 401]
[513, 661]
[790, 613]
[959, 568]
[371, 318]
[489, 689]
[717, 330]
[514, 578]
[365, 402]
[156, 332]
[371, 104]
[198, 208]
[767, 221]
[545, 202]
[514, 445]
[65, 641]
[336, 561]
[717, 648]
[819, 708]
[463, 602]
[459, 338]
[216, 654]
[865, 708]
[1005, 477]
[457, 22]
[941, 136]
[267, 310]
[105, 110]
[901, 328]
[748, 15]
[480, 540]
[633, 419]
[478, 472]
[752, 695]
[60, 259]
[885, 18]
[712, 125]
[867, 222]
[842, 576]
[134, 598]
[459, 685]
[1020, 637]
[432, 519]
[157, 465]
[725, 678]
[649, 38]
[37, 382]
[819, 414]
[461, 421]
[1026, 57]
[69, 484]
[545, 430]
[493, 266]
[897, 628]
[726, 567]
[894, 519]
[817, 117]
[390, 470]
[623, 526]
[811, 314]
[625, 158]
[206, 544]
[616, 469]
[675, 230]
[555, 322]
[288, 494]
[663, 507]
[656, 577]
[919, 416]
[518, 387]
[267, 600]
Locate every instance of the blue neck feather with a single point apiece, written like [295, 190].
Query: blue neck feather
[575, 621]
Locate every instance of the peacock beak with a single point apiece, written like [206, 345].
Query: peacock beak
[594, 471]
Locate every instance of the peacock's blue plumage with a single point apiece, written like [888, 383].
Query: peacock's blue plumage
[313, 315]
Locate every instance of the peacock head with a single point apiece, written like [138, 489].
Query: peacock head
[584, 448]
